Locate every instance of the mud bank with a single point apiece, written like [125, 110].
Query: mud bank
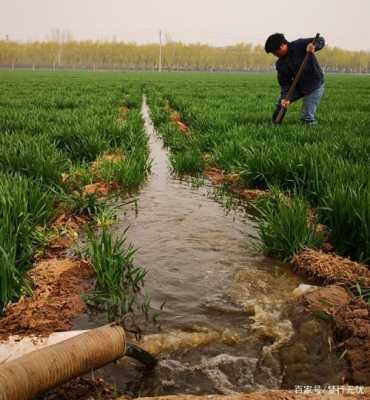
[349, 316]
[330, 268]
[350, 320]
[345, 323]
[58, 280]
[55, 301]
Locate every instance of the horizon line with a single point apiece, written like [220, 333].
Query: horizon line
[142, 43]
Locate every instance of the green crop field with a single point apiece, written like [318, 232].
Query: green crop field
[325, 167]
[54, 125]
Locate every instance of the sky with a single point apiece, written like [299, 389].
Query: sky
[216, 22]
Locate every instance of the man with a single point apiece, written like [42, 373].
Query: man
[310, 86]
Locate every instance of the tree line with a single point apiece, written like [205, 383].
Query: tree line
[176, 56]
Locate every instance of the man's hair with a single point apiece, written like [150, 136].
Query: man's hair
[274, 41]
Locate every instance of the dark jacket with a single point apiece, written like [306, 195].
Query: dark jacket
[288, 66]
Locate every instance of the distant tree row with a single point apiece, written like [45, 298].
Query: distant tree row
[175, 56]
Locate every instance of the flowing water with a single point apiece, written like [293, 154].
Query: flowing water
[223, 303]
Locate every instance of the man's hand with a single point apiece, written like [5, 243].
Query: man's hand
[310, 48]
[285, 103]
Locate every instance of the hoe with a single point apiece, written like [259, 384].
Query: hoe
[280, 110]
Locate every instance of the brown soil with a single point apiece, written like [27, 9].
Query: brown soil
[83, 388]
[68, 222]
[65, 232]
[97, 187]
[328, 299]
[176, 119]
[351, 322]
[55, 301]
[57, 247]
[353, 326]
[249, 194]
[101, 189]
[217, 177]
[329, 268]
[272, 395]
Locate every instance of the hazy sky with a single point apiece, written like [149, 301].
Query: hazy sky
[218, 22]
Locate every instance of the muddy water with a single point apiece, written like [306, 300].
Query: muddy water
[203, 270]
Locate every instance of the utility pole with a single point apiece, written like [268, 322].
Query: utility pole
[160, 52]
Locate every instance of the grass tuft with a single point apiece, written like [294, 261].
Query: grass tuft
[284, 225]
[118, 281]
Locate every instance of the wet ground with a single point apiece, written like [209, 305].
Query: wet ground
[204, 275]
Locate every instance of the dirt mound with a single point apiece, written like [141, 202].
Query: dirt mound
[215, 175]
[250, 194]
[57, 247]
[218, 177]
[98, 184]
[101, 189]
[68, 222]
[350, 316]
[353, 325]
[351, 320]
[55, 300]
[329, 268]
[328, 299]
[176, 119]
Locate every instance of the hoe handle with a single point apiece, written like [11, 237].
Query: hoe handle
[295, 81]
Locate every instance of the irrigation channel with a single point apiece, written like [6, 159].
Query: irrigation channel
[215, 284]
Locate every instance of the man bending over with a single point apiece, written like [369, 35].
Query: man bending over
[310, 86]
